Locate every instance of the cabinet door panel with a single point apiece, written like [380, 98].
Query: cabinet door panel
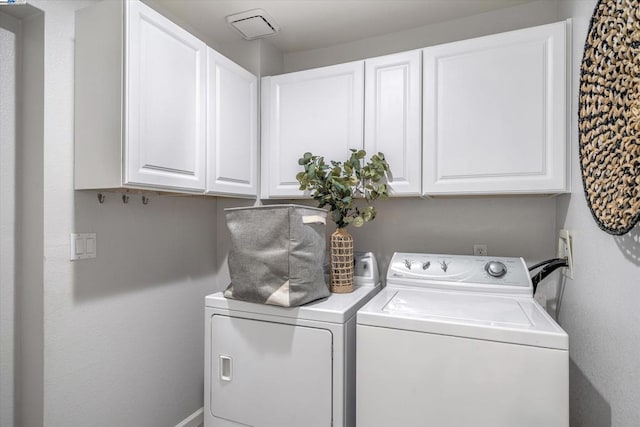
[393, 117]
[495, 114]
[318, 111]
[269, 374]
[231, 127]
[165, 139]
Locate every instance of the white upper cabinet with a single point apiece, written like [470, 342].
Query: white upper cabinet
[495, 114]
[393, 101]
[232, 136]
[318, 111]
[165, 88]
[155, 108]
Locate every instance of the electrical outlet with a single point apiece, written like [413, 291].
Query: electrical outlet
[565, 250]
[480, 249]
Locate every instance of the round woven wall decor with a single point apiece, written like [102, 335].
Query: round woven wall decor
[609, 115]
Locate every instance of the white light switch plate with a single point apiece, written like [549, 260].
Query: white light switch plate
[82, 246]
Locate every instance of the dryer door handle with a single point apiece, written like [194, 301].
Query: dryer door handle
[226, 368]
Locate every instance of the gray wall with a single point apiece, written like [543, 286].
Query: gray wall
[117, 340]
[600, 305]
[121, 335]
[9, 46]
[30, 228]
[510, 226]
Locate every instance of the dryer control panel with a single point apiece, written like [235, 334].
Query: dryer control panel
[460, 272]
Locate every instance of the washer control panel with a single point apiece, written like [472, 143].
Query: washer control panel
[468, 272]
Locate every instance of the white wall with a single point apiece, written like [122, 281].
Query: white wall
[512, 18]
[29, 224]
[122, 341]
[9, 45]
[600, 305]
[124, 332]
[271, 59]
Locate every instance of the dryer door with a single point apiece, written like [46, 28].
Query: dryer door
[266, 374]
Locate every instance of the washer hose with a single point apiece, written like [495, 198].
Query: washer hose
[548, 267]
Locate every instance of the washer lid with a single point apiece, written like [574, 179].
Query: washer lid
[510, 319]
[336, 308]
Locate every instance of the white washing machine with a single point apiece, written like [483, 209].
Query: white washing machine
[268, 366]
[459, 341]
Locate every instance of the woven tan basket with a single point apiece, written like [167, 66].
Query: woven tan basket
[341, 262]
[609, 115]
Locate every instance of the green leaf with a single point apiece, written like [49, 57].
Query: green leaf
[312, 171]
[368, 213]
[336, 184]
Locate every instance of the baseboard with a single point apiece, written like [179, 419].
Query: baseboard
[194, 420]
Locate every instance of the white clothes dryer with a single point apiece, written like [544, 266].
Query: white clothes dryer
[459, 341]
[268, 366]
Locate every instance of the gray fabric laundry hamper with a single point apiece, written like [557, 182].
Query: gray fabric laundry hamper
[276, 254]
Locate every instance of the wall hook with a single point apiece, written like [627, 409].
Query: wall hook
[125, 198]
[145, 200]
[101, 198]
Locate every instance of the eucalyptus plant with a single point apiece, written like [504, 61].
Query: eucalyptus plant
[339, 184]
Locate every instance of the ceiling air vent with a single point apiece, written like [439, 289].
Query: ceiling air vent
[253, 24]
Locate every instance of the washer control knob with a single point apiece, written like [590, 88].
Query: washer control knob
[407, 263]
[426, 265]
[495, 268]
[444, 266]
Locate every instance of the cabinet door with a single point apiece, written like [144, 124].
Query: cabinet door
[270, 374]
[393, 105]
[232, 142]
[165, 103]
[495, 114]
[318, 111]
